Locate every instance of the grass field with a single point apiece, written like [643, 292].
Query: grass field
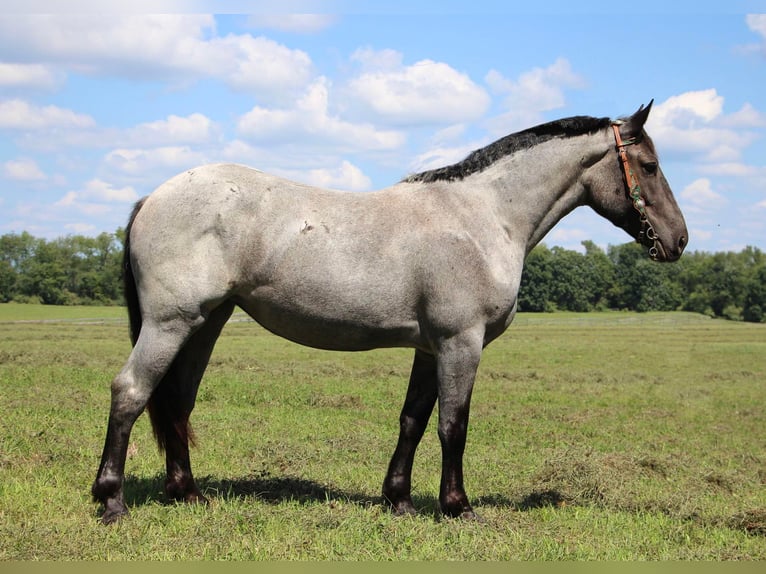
[605, 436]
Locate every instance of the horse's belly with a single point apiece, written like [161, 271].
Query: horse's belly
[332, 325]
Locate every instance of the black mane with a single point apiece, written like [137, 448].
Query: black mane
[482, 158]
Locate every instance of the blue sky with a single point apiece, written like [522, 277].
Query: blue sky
[99, 108]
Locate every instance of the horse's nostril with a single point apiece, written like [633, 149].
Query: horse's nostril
[682, 242]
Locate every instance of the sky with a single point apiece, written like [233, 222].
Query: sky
[99, 106]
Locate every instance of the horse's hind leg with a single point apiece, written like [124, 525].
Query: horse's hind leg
[421, 397]
[153, 353]
[173, 400]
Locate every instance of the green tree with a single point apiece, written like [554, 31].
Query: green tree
[536, 281]
[642, 284]
[754, 309]
[44, 275]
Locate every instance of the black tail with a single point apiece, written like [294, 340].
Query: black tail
[129, 280]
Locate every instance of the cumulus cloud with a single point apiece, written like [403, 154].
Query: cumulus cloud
[700, 197]
[440, 156]
[193, 129]
[96, 198]
[25, 76]
[166, 159]
[757, 23]
[310, 121]
[18, 114]
[23, 169]
[694, 124]
[100, 191]
[173, 47]
[425, 93]
[532, 93]
[346, 176]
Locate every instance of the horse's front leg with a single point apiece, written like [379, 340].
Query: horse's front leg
[456, 370]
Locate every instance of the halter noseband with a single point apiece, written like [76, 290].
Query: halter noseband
[647, 235]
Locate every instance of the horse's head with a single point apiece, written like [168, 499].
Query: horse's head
[628, 188]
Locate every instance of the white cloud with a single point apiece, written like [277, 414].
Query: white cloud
[731, 169]
[694, 123]
[259, 65]
[440, 156]
[99, 191]
[195, 128]
[425, 93]
[346, 176]
[96, 198]
[757, 23]
[747, 117]
[298, 23]
[311, 121]
[446, 147]
[18, 114]
[699, 196]
[26, 76]
[689, 109]
[532, 93]
[376, 60]
[175, 47]
[140, 162]
[23, 169]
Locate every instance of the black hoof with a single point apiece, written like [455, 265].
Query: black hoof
[114, 515]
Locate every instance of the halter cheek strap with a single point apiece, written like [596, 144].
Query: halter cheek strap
[646, 235]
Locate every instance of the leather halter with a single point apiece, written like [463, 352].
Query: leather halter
[646, 236]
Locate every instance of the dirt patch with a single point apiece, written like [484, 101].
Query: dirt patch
[751, 521]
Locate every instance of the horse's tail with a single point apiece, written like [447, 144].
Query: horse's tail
[129, 280]
[167, 421]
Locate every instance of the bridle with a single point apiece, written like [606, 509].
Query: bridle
[646, 236]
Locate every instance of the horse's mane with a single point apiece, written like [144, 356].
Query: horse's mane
[482, 158]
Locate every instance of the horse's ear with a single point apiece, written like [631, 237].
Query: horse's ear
[635, 123]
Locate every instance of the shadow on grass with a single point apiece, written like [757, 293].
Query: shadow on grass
[277, 490]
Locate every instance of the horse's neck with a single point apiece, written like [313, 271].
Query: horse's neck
[536, 187]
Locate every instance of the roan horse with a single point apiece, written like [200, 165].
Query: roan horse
[432, 263]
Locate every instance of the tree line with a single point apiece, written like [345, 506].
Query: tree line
[79, 270]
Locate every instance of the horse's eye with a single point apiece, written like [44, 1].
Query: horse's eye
[650, 168]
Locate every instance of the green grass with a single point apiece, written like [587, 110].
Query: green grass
[607, 436]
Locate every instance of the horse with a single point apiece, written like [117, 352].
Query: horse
[432, 263]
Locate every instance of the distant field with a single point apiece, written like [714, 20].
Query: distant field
[603, 436]
[21, 312]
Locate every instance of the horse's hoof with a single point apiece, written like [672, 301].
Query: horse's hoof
[401, 508]
[471, 516]
[114, 516]
[196, 498]
[404, 510]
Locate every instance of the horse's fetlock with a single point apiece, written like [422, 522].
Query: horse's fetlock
[105, 487]
[455, 505]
